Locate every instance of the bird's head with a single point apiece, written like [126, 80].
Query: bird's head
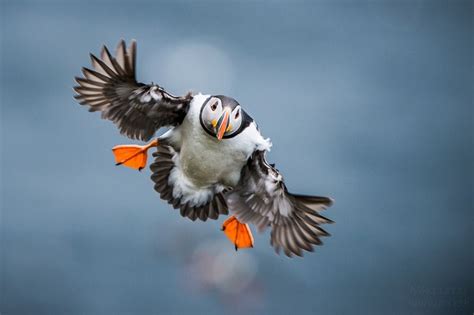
[222, 117]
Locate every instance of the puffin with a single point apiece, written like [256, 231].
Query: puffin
[210, 162]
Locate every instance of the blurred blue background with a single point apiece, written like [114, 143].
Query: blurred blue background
[367, 102]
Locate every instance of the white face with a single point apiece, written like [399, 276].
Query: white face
[221, 121]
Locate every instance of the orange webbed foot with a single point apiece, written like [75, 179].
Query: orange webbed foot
[238, 233]
[132, 155]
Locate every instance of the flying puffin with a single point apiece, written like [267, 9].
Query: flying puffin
[212, 160]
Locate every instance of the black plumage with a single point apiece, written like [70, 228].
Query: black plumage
[138, 109]
[262, 198]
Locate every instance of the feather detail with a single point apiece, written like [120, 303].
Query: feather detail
[136, 108]
[262, 198]
[162, 168]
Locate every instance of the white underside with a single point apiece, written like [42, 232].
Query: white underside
[205, 166]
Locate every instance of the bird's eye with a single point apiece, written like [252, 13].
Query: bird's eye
[214, 106]
[237, 114]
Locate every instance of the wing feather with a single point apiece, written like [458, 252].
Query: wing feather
[261, 198]
[138, 110]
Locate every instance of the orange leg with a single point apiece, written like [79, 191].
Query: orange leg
[132, 155]
[238, 233]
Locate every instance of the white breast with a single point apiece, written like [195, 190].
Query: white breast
[205, 163]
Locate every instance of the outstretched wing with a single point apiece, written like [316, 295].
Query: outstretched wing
[138, 109]
[262, 198]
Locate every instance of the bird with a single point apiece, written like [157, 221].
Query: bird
[210, 162]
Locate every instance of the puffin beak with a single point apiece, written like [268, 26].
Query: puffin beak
[222, 125]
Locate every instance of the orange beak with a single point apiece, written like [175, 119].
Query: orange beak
[222, 125]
